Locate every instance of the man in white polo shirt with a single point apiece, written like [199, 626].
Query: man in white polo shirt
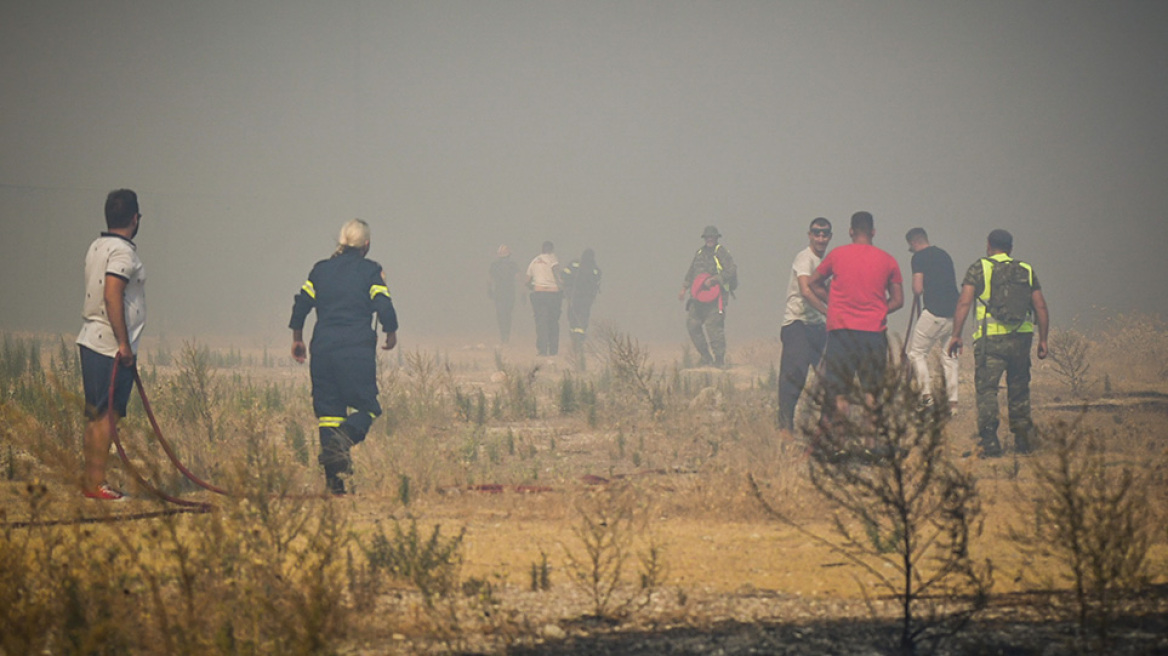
[804, 330]
[114, 314]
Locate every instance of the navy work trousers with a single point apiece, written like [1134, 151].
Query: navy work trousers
[343, 379]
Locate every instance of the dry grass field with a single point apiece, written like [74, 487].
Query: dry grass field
[505, 504]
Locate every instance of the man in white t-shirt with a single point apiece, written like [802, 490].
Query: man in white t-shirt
[546, 300]
[114, 314]
[804, 331]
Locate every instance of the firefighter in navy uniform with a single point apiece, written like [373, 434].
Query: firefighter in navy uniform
[581, 285]
[346, 290]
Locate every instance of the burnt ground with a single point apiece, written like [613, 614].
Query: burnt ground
[1015, 625]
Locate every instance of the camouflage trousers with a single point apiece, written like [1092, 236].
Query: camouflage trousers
[706, 315]
[995, 355]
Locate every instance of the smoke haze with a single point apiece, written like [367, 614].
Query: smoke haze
[252, 131]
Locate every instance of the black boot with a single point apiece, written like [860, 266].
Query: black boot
[705, 359]
[989, 447]
[334, 484]
[334, 457]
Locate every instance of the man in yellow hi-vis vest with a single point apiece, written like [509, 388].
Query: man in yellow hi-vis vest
[1002, 339]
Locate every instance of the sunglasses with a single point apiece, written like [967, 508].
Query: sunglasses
[821, 232]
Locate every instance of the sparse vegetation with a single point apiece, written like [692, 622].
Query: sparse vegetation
[194, 395]
[631, 370]
[1095, 521]
[1068, 357]
[541, 574]
[429, 564]
[1137, 344]
[903, 514]
[612, 463]
[611, 523]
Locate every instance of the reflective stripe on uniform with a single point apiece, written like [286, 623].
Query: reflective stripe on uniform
[374, 290]
[717, 262]
[329, 422]
[984, 318]
[309, 289]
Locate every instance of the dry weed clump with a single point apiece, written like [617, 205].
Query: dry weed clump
[246, 578]
[64, 589]
[195, 398]
[903, 513]
[418, 393]
[633, 377]
[613, 533]
[1068, 360]
[259, 574]
[1135, 347]
[430, 564]
[1093, 519]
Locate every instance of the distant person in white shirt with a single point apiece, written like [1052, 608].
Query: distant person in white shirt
[804, 331]
[114, 315]
[546, 300]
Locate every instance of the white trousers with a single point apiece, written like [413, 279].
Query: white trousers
[930, 330]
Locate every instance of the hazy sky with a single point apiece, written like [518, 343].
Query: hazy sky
[253, 130]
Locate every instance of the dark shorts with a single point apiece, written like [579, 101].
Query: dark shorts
[96, 370]
[854, 353]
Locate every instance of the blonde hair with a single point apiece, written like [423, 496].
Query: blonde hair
[354, 234]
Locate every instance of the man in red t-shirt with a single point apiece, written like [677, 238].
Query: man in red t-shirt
[865, 287]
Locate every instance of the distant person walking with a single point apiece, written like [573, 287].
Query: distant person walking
[710, 281]
[346, 291]
[501, 287]
[1008, 297]
[581, 280]
[934, 286]
[865, 287]
[114, 315]
[546, 300]
[804, 330]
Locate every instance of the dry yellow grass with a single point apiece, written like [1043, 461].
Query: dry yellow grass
[688, 465]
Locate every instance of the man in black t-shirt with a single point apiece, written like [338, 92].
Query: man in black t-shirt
[934, 285]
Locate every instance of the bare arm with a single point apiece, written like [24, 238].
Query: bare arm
[115, 310]
[895, 296]
[964, 302]
[809, 294]
[918, 284]
[1043, 318]
[817, 285]
[558, 276]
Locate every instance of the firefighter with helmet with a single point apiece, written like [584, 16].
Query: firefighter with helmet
[709, 282]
